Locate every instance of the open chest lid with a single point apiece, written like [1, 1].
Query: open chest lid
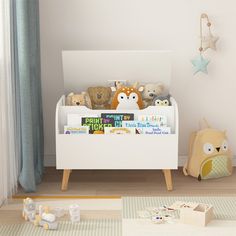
[83, 69]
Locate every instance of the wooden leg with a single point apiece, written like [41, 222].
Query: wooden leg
[65, 179]
[168, 179]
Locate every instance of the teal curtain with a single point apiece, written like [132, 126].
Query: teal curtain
[29, 118]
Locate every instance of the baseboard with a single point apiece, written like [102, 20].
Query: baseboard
[50, 160]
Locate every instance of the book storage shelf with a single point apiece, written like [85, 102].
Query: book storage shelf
[116, 152]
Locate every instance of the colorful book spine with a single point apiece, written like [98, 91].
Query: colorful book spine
[76, 129]
[154, 118]
[118, 117]
[97, 125]
[154, 130]
[76, 119]
[140, 124]
[119, 130]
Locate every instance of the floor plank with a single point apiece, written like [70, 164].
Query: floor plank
[130, 183]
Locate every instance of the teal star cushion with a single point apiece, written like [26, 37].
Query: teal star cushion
[200, 64]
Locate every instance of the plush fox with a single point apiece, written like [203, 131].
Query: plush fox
[127, 98]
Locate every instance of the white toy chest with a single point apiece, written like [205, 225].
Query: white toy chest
[83, 69]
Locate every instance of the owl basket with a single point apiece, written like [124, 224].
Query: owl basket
[209, 155]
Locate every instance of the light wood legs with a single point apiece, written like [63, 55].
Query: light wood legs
[168, 179]
[66, 176]
[65, 179]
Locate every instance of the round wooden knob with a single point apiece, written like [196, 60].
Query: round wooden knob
[204, 15]
[200, 49]
[209, 24]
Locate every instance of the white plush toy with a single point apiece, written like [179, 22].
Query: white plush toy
[150, 91]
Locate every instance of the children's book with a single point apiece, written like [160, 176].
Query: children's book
[75, 119]
[140, 124]
[97, 125]
[118, 117]
[119, 130]
[154, 118]
[153, 130]
[76, 129]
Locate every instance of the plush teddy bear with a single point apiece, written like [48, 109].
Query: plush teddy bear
[100, 97]
[81, 99]
[149, 91]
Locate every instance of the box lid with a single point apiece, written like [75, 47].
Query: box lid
[82, 69]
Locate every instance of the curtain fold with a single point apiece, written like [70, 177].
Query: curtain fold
[9, 161]
[26, 54]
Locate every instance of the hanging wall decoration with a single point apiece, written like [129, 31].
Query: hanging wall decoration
[209, 41]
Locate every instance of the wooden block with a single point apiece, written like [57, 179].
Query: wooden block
[199, 215]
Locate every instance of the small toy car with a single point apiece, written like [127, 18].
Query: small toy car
[47, 221]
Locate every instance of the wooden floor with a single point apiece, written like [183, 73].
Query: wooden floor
[11, 213]
[130, 183]
[116, 184]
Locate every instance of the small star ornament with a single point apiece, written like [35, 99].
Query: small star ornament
[209, 42]
[200, 64]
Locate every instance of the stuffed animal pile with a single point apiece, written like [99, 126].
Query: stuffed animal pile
[121, 97]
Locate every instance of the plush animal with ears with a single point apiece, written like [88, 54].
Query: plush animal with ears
[127, 98]
[100, 97]
[81, 99]
[150, 91]
[163, 100]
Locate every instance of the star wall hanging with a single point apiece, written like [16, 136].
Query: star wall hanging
[207, 42]
[200, 64]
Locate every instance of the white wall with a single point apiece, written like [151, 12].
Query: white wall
[146, 24]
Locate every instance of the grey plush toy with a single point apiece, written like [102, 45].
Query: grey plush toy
[162, 100]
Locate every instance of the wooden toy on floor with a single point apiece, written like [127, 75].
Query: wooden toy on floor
[59, 212]
[45, 219]
[158, 215]
[74, 211]
[158, 219]
[198, 214]
[29, 209]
